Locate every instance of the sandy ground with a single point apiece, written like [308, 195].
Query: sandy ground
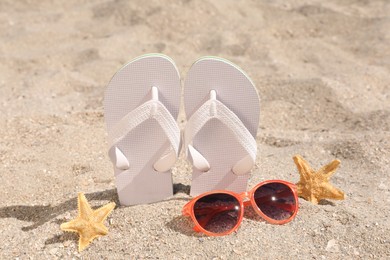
[322, 69]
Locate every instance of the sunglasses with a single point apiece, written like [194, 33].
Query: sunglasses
[219, 213]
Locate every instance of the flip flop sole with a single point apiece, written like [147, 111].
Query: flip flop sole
[146, 143]
[215, 141]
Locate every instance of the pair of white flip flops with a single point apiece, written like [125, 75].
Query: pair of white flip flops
[141, 107]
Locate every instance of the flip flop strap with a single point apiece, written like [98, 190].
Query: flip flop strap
[215, 109]
[152, 109]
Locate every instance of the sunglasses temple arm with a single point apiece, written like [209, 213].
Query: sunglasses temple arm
[186, 210]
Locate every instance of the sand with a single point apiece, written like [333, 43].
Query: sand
[322, 69]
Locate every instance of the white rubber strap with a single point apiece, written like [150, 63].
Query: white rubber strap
[215, 109]
[152, 109]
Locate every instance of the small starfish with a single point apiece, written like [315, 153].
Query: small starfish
[314, 185]
[89, 223]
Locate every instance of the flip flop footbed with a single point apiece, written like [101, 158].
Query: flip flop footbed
[147, 142]
[215, 141]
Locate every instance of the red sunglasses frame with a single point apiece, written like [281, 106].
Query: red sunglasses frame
[188, 209]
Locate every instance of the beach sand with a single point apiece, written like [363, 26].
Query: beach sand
[322, 70]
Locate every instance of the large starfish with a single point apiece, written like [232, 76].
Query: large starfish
[89, 223]
[314, 185]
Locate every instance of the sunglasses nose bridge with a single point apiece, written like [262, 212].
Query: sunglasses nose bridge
[244, 195]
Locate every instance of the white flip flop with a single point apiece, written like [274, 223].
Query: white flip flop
[222, 108]
[141, 106]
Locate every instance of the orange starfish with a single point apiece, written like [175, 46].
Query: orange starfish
[89, 223]
[314, 185]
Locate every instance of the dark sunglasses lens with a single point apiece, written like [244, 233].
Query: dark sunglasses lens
[275, 200]
[217, 213]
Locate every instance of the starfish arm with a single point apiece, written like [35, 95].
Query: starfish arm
[328, 191]
[304, 195]
[75, 225]
[313, 199]
[329, 169]
[307, 195]
[102, 213]
[303, 167]
[90, 233]
[100, 229]
[84, 241]
[85, 209]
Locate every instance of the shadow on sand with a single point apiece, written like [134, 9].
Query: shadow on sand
[39, 215]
